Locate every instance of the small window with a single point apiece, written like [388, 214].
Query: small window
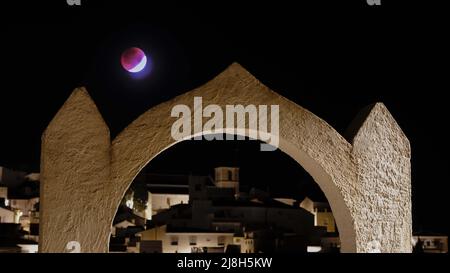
[192, 240]
[221, 240]
[230, 176]
[174, 241]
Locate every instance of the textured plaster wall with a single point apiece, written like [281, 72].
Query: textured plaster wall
[75, 175]
[382, 154]
[85, 175]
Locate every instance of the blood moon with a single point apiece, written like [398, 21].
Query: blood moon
[133, 60]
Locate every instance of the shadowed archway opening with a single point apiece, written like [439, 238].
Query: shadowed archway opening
[252, 201]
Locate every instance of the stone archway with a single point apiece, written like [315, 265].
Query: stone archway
[85, 175]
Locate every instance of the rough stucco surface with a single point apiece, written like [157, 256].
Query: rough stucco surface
[367, 183]
[75, 175]
[382, 154]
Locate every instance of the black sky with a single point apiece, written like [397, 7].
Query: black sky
[331, 57]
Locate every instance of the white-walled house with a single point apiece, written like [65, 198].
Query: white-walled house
[323, 216]
[187, 241]
[7, 216]
[158, 202]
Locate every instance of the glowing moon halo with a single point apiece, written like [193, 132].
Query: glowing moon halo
[133, 60]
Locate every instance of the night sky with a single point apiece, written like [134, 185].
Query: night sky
[331, 57]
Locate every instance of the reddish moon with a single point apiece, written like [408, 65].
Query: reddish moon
[133, 60]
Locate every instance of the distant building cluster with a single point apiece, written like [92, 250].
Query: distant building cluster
[19, 211]
[430, 243]
[192, 214]
[198, 214]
